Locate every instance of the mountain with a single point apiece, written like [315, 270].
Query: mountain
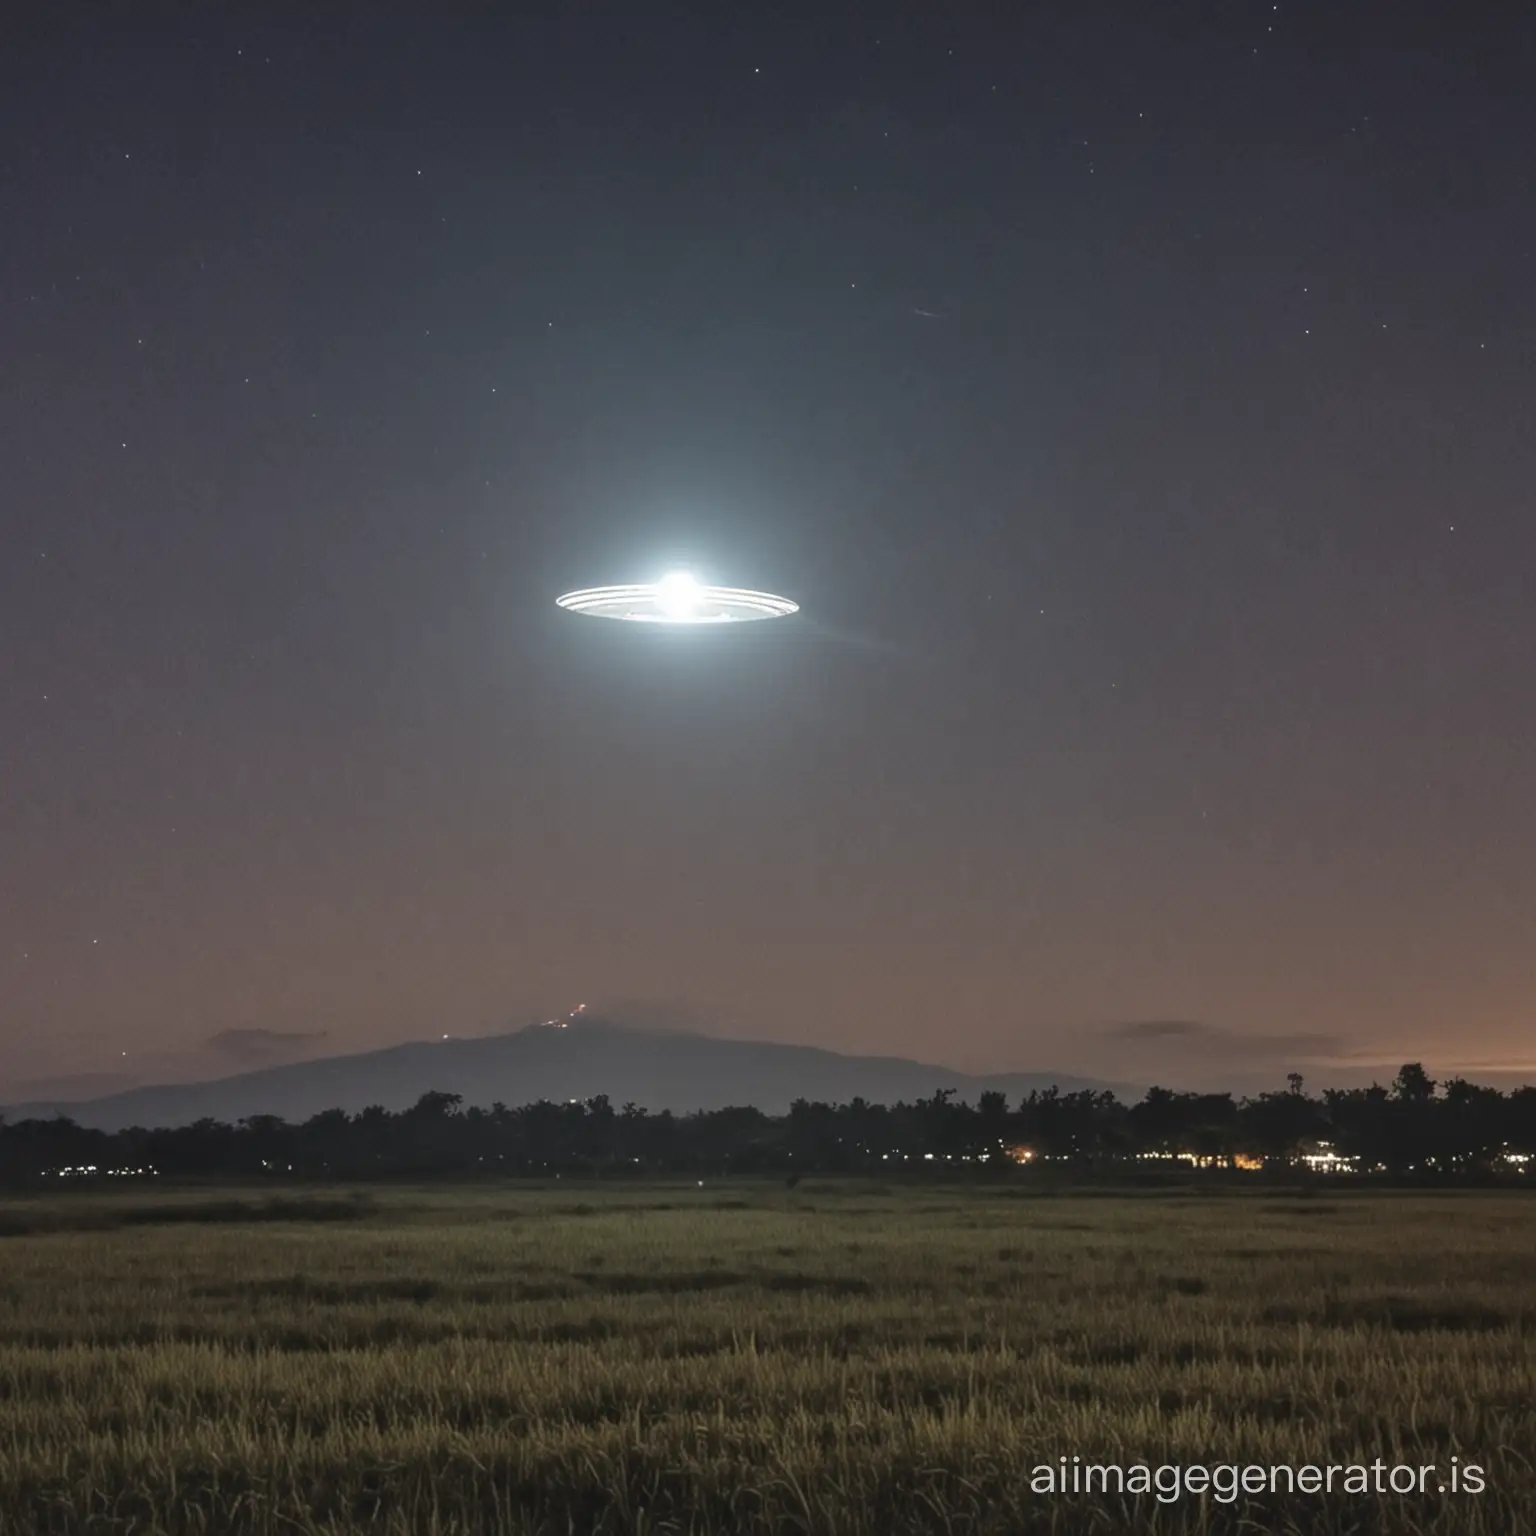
[574, 1059]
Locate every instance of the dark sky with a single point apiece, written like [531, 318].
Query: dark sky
[1138, 399]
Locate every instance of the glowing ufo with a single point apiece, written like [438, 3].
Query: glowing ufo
[678, 598]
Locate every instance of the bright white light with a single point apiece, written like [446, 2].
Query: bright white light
[678, 594]
[678, 598]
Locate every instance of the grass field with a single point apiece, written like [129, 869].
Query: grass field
[834, 1358]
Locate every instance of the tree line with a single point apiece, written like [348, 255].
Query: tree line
[1413, 1129]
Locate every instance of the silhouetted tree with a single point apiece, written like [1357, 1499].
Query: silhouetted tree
[1416, 1129]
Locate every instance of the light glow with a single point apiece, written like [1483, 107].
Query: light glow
[678, 594]
[678, 598]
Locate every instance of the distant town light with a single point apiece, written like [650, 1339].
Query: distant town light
[1323, 1159]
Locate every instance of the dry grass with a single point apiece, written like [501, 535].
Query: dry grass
[848, 1359]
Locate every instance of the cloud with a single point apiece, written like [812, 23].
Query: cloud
[71, 1087]
[1159, 1029]
[262, 1047]
[1214, 1040]
[1505, 1073]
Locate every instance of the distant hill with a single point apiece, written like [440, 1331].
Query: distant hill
[654, 1069]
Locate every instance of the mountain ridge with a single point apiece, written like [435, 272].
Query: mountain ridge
[572, 1059]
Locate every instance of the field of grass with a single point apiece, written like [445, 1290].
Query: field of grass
[861, 1359]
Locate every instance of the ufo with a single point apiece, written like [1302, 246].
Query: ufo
[678, 598]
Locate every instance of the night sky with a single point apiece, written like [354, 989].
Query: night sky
[1140, 401]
